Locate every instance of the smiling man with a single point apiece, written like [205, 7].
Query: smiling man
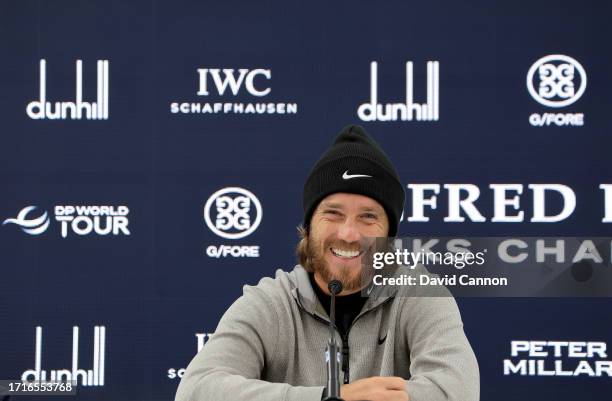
[336, 248]
[269, 345]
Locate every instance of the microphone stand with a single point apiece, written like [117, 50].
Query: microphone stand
[333, 352]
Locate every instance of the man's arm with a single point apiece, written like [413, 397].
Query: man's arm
[229, 366]
[443, 366]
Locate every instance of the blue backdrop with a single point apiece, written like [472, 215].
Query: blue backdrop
[174, 101]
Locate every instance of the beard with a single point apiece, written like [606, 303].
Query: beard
[350, 279]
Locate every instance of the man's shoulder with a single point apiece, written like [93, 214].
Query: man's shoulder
[274, 289]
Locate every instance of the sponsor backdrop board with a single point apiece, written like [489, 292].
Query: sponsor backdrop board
[153, 156]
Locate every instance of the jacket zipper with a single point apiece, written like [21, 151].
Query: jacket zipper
[345, 344]
[345, 356]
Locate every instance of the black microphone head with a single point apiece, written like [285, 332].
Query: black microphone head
[335, 287]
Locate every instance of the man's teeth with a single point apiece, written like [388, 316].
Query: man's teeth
[344, 254]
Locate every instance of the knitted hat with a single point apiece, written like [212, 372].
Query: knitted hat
[355, 164]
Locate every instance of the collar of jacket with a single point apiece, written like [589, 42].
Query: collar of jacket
[304, 294]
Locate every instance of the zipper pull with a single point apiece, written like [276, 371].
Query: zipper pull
[345, 360]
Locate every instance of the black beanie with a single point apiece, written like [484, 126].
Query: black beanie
[355, 164]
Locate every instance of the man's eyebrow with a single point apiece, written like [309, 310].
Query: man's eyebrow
[371, 209]
[332, 205]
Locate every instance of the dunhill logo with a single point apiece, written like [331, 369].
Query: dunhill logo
[42, 109]
[407, 111]
[91, 377]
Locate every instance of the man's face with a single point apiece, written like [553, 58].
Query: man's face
[338, 228]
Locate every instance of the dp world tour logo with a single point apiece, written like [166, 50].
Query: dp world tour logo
[75, 220]
[556, 80]
[232, 213]
[32, 225]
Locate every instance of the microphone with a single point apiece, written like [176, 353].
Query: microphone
[333, 351]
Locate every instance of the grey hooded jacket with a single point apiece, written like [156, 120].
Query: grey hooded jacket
[269, 346]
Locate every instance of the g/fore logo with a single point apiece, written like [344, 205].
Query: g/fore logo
[232, 82]
[42, 109]
[232, 213]
[83, 220]
[556, 81]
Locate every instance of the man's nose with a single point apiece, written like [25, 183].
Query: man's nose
[349, 231]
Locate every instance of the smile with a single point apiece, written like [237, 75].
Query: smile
[345, 254]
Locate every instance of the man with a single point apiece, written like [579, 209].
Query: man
[269, 345]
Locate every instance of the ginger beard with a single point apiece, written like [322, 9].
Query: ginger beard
[349, 273]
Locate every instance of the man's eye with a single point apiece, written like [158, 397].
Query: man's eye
[370, 216]
[335, 212]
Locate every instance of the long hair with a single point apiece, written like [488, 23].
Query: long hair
[302, 251]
